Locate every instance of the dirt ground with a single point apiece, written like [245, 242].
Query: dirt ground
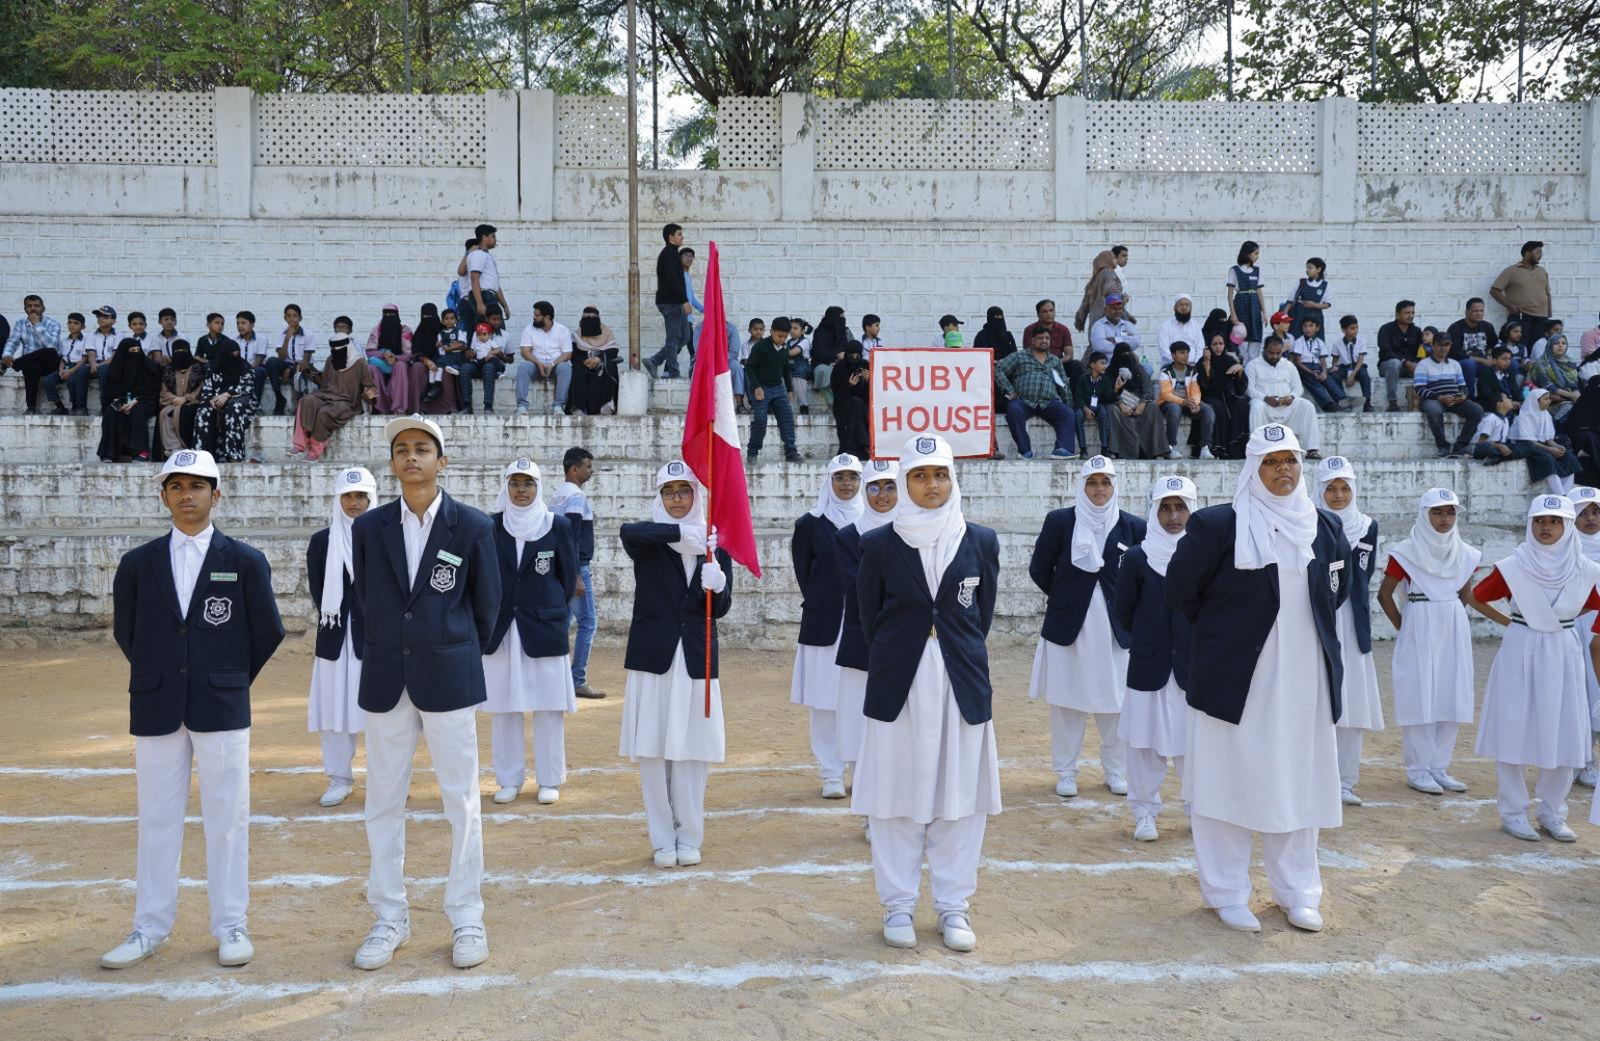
[1438, 925]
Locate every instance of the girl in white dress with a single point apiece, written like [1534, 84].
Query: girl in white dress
[1536, 703]
[538, 573]
[1432, 677]
[1586, 501]
[1362, 708]
[332, 711]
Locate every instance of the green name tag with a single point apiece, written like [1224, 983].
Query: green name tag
[546, 553]
[224, 576]
[449, 558]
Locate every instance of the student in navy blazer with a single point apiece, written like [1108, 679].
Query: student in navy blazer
[195, 616]
[1080, 666]
[929, 775]
[880, 492]
[427, 578]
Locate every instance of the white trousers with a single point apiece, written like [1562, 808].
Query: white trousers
[339, 756]
[509, 748]
[825, 743]
[1349, 741]
[1222, 855]
[1428, 747]
[452, 739]
[953, 849]
[162, 766]
[1147, 769]
[1550, 790]
[674, 802]
[1066, 740]
[1300, 416]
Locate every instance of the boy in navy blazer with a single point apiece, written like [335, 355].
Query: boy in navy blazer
[427, 578]
[196, 619]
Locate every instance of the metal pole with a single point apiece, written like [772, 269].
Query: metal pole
[655, 93]
[1083, 51]
[1230, 50]
[405, 39]
[633, 184]
[524, 44]
[1373, 54]
[1522, 36]
[950, 47]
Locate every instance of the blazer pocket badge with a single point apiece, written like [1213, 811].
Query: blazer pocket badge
[1334, 570]
[968, 587]
[219, 609]
[542, 565]
[1364, 559]
[443, 578]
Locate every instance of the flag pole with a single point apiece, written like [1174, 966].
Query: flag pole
[711, 433]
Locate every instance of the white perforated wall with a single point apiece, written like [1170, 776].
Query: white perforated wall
[1219, 137]
[370, 130]
[592, 132]
[1534, 138]
[749, 132]
[932, 135]
[106, 126]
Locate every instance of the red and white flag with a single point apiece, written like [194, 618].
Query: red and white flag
[711, 434]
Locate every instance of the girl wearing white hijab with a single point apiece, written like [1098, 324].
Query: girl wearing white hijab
[1363, 702]
[1536, 703]
[1586, 501]
[881, 492]
[528, 670]
[332, 710]
[1432, 678]
[929, 775]
[815, 553]
[1081, 664]
[665, 727]
[1155, 710]
[1548, 459]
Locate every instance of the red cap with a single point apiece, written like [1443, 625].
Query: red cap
[1281, 316]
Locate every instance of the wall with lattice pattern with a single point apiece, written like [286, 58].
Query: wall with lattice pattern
[591, 132]
[749, 133]
[1543, 138]
[1203, 137]
[931, 135]
[370, 130]
[106, 126]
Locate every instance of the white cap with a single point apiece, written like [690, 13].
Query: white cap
[395, 427]
[926, 450]
[843, 461]
[1097, 464]
[523, 465]
[356, 479]
[1438, 497]
[1335, 467]
[1552, 506]
[1583, 494]
[1272, 437]
[190, 461]
[1174, 485]
[677, 470]
[881, 470]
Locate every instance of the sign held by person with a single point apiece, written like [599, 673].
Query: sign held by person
[933, 390]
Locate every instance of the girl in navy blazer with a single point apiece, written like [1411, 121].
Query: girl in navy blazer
[1154, 720]
[665, 728]
[881, 492]
[1081, 664]
[929, 775]
[527, 670]
[815, 551]
[332, 710]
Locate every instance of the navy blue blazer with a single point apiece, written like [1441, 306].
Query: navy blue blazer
[330, 638]
[1363, 561]
[1233, 611]
[1069, 589]
[852, 642]
[536, 592]
[428, 637]
[194, 670]
[1160, 637]
[899, 612]
[815, 551]
[669, 609]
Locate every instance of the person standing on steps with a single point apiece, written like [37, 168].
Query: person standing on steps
[768, 372]
[672, 300]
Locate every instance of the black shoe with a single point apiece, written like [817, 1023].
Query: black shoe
[433, 391]
[1367, 407]
[60, 410]
[805, 410]
[1442, 453]
[465, 410]
[31, 410]
[749, 459]
[793, 457]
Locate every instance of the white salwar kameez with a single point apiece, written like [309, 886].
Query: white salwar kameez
[816, 686]
[519, 685]
[1153, 727]
[333, 712]
[1362, 707]
[1276, 772]
[1085, 678]
[665, 730]
[1434, 683]
[1583, 629]
[850, 713]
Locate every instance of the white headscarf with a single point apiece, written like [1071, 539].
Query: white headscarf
[1158, 544]
[1583, 496]
[1091, 524]
[1442, 555]
[337, 563]
[692, 527]
[877, 470]
[935, 534]
[1261, 514]
[1551, 567]
[1338, 468]
[842, 512]
[528, 523]
[1533, 423]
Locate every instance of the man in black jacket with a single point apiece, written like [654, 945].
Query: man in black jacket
[672, 300]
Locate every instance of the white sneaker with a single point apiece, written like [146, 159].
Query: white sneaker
[386, 937]
[522, 410]
[452, 370]
[135, 949]
[1426, 787]
[666, 858]
[236, 948]
[470, 947]
[1558, 830]
[1307, 918]
[1144, 830]
[1117, 783]
[957, 931]
[1448, 783]
[1517, 828]
[833, 789]
[1067, 787]
[506, 795]
[1205, 452]
[1349, 797]
[899, 932]
[1173, 453]
[1238, 916]
[338, 792]
[1589, 777]
[688, 856]
[548, 796]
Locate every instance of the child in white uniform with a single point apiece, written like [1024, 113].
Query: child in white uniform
[1586, 501]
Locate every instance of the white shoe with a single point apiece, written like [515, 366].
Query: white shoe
[506, 795]
[1144, 830]
[1238, 916]
[833, 789]
[1173, 453]
[1307, 918]
[898, 931]
[1067, 787]
[548, 795]
[452, 370]
[338, 792]
[1448, 783]
[386, 937]
[1517, 828]
[956, 929]
[1427, 787]
[1589, 777]
[688, 856]
[866, 829]
[236, 948]
[470, 947]
[1117, 783]
[1558, 830]
[1349, 797]
[522, 410]
[666, 858]
[1205, 452]
[135, 949]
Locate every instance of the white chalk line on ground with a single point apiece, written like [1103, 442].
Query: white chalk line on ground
[832, 973]
[89, 773]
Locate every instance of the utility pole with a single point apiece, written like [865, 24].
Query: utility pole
[1083, 51]
[1230, 50]
[524, 44]
[655, 93]
[405, 39]
[633, 184]
[950, 47]
[1373, 55]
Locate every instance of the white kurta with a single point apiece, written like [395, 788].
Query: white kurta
[852, 722]
[1583, 629]
[1433, 677]
[1090, 674]
[1278, 769]
[1536, 703]
[1363, 702]
[929, 764]
[816, 676]
[663, 717]
[1156, 719]
[335, 686]
[515, 682]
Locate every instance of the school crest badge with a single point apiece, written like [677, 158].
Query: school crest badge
[443, 578]
[1333, 582]
[542, 565]
[969, 586]
[675, 469]
[1174, 484]
[926, 446]
[184, 459]
[523, 464]
[1097, 463]
[218, 610]
[1552, 503]
[880, 466]
[1364, 559]
[352, 477]
[1272, 433]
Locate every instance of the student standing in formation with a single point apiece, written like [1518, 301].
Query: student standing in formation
[526, 669]
[333, 711]
[1586, 501]
[427, 575]
[571, 502]
[815, 552]
[1536, 703]
[1262, 757]
[1363, 702]
[665, 726]
[929, 776]
[1155, 712]
[196, 619]
[1081, 665]
[1432, 676]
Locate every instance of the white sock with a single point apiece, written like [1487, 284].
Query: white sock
[1555, 485]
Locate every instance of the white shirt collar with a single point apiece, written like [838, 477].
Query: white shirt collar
[428, 514]
[202, 541]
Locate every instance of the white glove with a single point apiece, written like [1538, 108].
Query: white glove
[711, 539]
[712, 578]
